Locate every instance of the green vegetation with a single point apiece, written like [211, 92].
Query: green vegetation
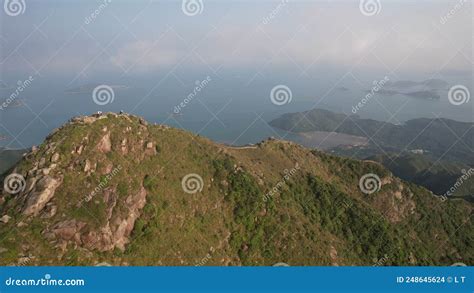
[433, 135]
[277, 202]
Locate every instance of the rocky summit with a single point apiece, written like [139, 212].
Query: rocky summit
[114, 189]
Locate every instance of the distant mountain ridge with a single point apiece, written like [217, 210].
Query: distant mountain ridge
[434, 135]
[429, 89]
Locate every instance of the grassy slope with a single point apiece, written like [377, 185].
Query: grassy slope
[318, 217]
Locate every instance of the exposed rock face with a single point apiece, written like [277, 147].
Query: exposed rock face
[399, 205]
[79, 149]
[105, 145]
[5, 219]
[107, 168]
[44, 178]
[55, 158]
[123, 146]
[142, 121]
[68, 230]
[87, 166]
[41, 193]
[87, 119]
[119, 227]
[49, 211]
[114, 234]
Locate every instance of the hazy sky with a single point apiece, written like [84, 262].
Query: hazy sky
[139, 37]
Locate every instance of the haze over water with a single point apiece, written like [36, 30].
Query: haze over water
[158, 52]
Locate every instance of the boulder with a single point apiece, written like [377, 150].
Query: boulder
[105, 144]
[49, 211]
[67, 230]
[5, 219]
[87, 166]
[55, 158]
[41, 193]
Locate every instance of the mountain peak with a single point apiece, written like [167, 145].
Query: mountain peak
[114, 188]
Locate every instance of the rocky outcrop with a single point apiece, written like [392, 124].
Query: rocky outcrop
[42, 190]
[49, 211]
[5, 219]
[69, 230]
[95, 189]
[105, 145]
[398, 204]
[114, 234]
